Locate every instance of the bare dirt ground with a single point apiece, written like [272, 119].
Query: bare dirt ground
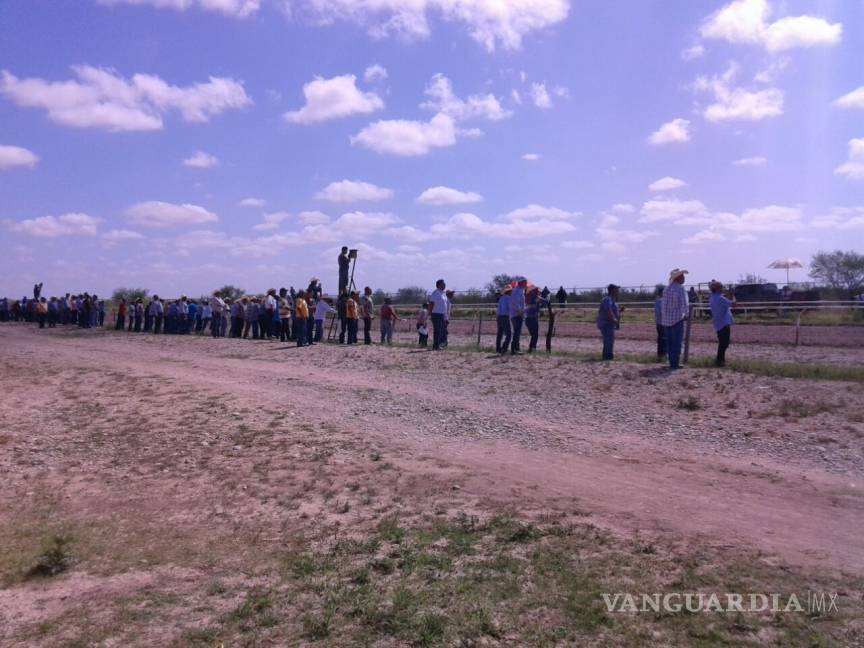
[227, 492]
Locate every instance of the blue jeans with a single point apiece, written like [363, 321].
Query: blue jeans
[502, 337]
[300, 331]
[674, 337]
[517, 333]
[216, 325]
[386, 332]
[437, 330]
[533, 326]
[319, 330]
[608, 333]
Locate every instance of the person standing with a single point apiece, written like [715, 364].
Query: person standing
[532, 317]
[561, 296]
[352, 316]
[268, 312]
[322, 309]
[721, 317]
[661, 330]
[608, 320]
[182, 315]
[284, 316]
[301, 314]
[121, 315]
[217, 305]
[311, 305]
[344, 264]
[206, 316]
[440, 309]
[157, 312]
[674, 310]
[388, 321]
[53, 308]
[41, 311]
[445, 340]
[517, 313]
[193, 317]
[139, 314]
[502, 336]
[340, 312]
[367, 307]
[422, 325]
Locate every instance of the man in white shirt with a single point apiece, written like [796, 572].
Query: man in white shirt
[440, 310]
[217, 306]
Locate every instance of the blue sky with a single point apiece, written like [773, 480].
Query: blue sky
[183, 144]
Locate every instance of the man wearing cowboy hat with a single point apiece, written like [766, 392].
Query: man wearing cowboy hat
[502, 337]
[721, 317]
[674, 308]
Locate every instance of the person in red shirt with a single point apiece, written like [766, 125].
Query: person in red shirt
[121, 315]
[388, 321]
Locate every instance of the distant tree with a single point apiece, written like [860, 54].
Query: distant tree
[231, 292]
[129, 294]
[497, 284]
[411, 295]
[839, 270]
[751, 278]
[378, 296]
[471, 296]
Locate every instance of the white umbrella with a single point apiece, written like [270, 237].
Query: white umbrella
[785, 264]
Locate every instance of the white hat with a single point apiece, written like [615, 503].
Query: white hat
[677, 272]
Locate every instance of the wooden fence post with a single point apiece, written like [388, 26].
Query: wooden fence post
[550, 329]
[687, 328]
[479, 326]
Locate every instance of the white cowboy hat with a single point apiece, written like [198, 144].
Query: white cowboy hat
[677, 272]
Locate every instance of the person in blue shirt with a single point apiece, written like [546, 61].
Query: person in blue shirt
[661, 330]
[191, 315]
[517, 313]
[533, 302]
[721, 318]
[502, 337]
[608, 320]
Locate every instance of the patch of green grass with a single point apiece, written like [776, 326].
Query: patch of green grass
[807, 371]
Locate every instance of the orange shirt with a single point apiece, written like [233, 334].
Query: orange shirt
[301, 310]
[351, 309]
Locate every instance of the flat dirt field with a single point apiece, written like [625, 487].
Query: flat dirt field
[186, 491]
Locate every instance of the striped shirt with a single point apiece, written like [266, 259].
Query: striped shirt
[674, 305]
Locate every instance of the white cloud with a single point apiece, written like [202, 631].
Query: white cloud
[155, 213]
[531, 157]
[737, 103]
[313, 218]
[538, 213]
[854, 99]
[407, 137]
[117, 235]
[442, 99]
[374, 73]
[232, 8]
[252, 202]
[102, 99]
[16, 156]
[72, 224]
[841, 218]
[672, 209]
[357, 225]
[773, 70]
[756, 161]
[447, 196]
[201, 160]
[746, 22]
[332, 99]
[578, 245]
[694, 52]
[743, 227]
[666, 184]
[677, 130]
[347, 191]
[466, 225]
[500, 23]
[623, 208]
[853, 168]
[540, 96]
[271, 221]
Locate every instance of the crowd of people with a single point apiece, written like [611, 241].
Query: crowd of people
[300, 316]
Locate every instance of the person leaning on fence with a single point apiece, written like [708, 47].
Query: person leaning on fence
[674, 310]
[608, 320]
[721, 318]
[422, 325]
[502, 335]
[440, 309]
[517, 314]
[661, 330]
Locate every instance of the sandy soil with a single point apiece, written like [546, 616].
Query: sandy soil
[180, 448]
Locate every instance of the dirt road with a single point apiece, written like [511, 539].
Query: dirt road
[219, 435]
